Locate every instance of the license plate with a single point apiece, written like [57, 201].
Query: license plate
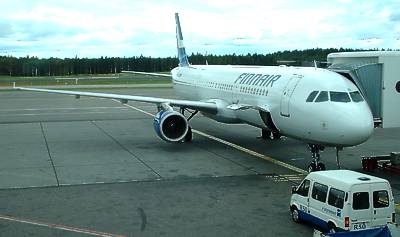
[359, 226]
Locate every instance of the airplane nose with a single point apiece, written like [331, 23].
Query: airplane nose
[360, 128]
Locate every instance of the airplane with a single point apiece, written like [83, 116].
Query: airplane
[314, 105]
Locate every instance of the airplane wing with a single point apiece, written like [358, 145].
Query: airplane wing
[209, 107]
[148, 73]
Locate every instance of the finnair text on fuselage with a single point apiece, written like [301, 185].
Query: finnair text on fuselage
[257, 79]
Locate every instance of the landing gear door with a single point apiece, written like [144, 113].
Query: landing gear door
[287, 94]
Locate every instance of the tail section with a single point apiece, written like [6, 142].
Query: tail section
[183, 58]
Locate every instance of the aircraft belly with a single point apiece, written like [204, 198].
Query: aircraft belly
[252, 117]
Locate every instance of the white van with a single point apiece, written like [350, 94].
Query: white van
[343, 200]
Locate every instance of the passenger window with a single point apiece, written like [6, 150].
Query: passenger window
[336, 198]
[356, 96]
[322, 97]
[311, 97]
[319, 192]
[339, 96]
[381, 199]
[360, 201]
[304, 188]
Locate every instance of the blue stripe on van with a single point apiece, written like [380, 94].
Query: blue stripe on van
[313, 220]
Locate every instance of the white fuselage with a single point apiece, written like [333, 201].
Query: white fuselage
[281, 93]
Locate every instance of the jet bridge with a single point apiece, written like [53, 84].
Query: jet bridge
[377, 75]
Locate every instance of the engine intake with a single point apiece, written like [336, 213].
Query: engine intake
[170, 125]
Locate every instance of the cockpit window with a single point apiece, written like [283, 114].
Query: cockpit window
[311, 97]
[339, 96]
[323, 96]
[356, 96]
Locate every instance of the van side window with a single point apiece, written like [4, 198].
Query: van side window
[336, 198]
[319, 192]
[303, 188]
[360, 201]
[381, 199]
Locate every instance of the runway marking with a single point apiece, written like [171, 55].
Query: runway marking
[240, 148]
[59, 226]
[295, 178]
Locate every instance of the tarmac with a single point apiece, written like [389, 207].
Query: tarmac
[95, 167]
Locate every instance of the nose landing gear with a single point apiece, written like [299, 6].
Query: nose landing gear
[316, 165]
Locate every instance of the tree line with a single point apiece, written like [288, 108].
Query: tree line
[33, 66]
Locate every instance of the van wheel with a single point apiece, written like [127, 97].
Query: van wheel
[295, 214]
[332, 228]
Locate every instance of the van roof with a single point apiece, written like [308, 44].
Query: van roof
[346, 178]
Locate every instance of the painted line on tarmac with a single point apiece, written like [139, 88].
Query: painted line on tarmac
[251, 152]
[240, 148]
[58, 226]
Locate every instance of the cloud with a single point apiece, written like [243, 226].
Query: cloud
[93, 28]
[5, 29]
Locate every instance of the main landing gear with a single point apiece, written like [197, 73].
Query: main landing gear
[266, 134]
[189, 135]
[316, 165]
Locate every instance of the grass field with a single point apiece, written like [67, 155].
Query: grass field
[103, 79]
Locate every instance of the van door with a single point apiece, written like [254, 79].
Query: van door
[317, 205]
[302, 198]
[361, 207]
[383, 205]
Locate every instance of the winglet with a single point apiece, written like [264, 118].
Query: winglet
[14, 85]
[183, 58]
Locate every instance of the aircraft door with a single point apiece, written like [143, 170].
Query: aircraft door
[287, 94]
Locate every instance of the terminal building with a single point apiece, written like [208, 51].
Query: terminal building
[377, 75]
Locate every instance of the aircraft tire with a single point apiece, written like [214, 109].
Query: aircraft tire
[265, 134]
[321, 166]
[276, 135]
[312, 168]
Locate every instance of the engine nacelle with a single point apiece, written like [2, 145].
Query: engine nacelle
[170, 125]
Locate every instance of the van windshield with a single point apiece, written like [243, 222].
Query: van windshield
[361, 201]
[304, 188]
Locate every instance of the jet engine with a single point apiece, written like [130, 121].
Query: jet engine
[171, 126]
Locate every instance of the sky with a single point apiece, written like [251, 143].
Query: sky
[125, 28]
